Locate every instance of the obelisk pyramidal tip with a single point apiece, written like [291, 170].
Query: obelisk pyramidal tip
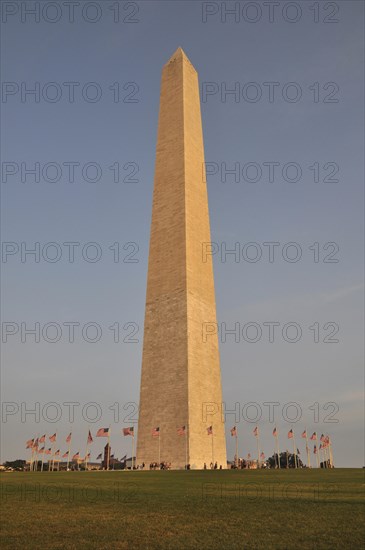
[180, 380]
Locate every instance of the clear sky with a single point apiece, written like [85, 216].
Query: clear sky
[294, 131]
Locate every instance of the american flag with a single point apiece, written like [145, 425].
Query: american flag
[262, 455]
[304, 434]
[76, 456]
[290, 434]
[313, 437]
[65, 455]
[233, 431]
[41, 450]
[47, 451]
[275, 432]
[42, 439]
[156, 432]
[210, 430]
[123, 458]
[68, 438]
[53, 438]
[315, 449]
[181, 431]
[90, 438]
[87, 456]
[102, 432]
[57, 453]
[99, 456]
[29, 444]
[128, 431]
[322, 438]
[256, 432]
[35, 444]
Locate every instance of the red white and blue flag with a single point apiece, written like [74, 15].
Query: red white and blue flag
[102, 432]
[210, 430]
[181, 431]
[128, 431]
[290, 434]
[233, 431]
[156, 432]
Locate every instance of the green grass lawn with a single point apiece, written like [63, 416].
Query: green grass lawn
[229, 509]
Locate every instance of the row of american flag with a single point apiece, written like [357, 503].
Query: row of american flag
[35, 443]
[39, 451]
[325, 444]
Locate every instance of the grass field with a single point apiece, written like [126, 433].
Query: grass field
[246, 509]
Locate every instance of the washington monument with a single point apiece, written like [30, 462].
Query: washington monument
[181, 389]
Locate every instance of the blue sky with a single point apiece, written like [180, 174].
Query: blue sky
[324, 60]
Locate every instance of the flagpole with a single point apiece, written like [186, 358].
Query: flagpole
[213, 446]
[69, 450]
[159, 449]
[53, 452]
[35, 465]
[44, 450]
[31, 459]
[258, 450]
[132, 450]
[277, 445]
[295, 450]
[108, 455]
[236, 449]
[317, 455]
[186, 447]
[331, 454]
[307, 449]
[87, 446]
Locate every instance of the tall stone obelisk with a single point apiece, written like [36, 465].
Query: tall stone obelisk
[181, 380]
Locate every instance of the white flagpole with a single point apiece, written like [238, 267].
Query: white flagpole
[278, 450]
[44, 450]
[159, 448]
[307, 449]
[69, 450]
[213, 446]
[87, 447]
[31, 459]
[295, 450]
[236, 447]
[53, 442]
[133, 450]
[186, 447]
[331, 454]
[108, 455]
[35, 464]
[258, 450]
